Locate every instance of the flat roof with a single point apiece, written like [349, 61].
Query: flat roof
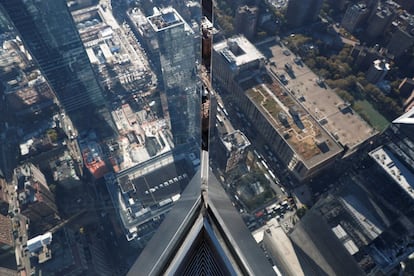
[235, 140]
[6, 228]
[167, 18]
[158, 185]
[322, 103]
[141, 137]
[26, 90]
[238, 50]
[106, 43]
[302, 133]
[395, 169]
[137, 16]
[147, 191]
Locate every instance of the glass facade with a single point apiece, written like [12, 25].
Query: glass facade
[157, 138]
[177, 48]
[49, 32]
[132, 177]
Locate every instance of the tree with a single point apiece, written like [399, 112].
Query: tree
[52, 188]
[346, 96]
[53, 135]
[301, 211]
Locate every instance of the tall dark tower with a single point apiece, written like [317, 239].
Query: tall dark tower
[300, 12]
[178, 61]
[48, 30]
[245, 21]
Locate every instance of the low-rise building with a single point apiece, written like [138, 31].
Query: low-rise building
[306, 125]
[297, 138]
[65, 171]
[233, 150]
[6, 236]
[26, 90]
[117, 58]
[143, 194]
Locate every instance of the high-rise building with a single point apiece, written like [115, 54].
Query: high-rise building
[379, 22]
[181, 96]
[354, 16]
[401, 40]
[36, 201]
[233, 57]
[48, 30]
[364, 56]
[378, 70]
[300, 12]
[245, 21]
[203, 233]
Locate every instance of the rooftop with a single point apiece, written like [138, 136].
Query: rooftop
[354, 214]
[321, 102]
[341, 234]
[68, 256]
[238, 50]
[303, 134]
[9, 272]
[155, 186]
[142, 136]
[166, 18]
[6, 231]
[235, 140]
[93, 158]
[137, 16]
[147, 191]
[38, 242]
[26, 89]
[107, 44]
[64, 168]
[395, 169]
